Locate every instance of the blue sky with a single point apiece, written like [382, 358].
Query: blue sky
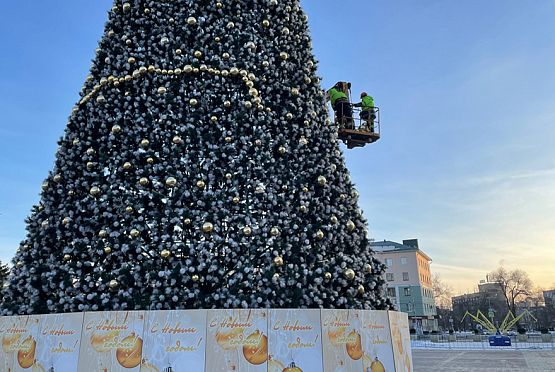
[466, 90]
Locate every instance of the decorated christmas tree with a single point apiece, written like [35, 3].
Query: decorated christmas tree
[198, 170]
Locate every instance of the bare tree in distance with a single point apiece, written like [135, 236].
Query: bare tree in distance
[442, 292]
[515, 285]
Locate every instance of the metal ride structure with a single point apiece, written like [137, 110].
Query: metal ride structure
[499, 338]
[353, 130]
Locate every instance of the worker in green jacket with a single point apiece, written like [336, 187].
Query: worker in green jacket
[367, 110]
[341, 106]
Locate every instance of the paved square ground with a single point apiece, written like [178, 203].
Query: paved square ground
[483, 361]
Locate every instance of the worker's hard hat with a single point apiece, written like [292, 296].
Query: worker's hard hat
[363, 94]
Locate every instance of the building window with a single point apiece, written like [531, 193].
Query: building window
[391, 292]
[389, 262]
[405, 276]
[403, 260]
[389, 277]
[407, 291]
[410, 307]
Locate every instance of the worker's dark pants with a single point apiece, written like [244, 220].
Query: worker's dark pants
[344, 114]
[368, 116]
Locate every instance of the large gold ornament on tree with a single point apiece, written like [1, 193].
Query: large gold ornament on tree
[207, 227]
[256, 348]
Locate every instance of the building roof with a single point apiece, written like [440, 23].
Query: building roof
[390, 246]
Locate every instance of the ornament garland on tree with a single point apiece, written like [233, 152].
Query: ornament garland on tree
[199, 169]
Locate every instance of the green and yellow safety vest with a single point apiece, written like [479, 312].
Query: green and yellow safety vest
[335, 95]
[367, 103]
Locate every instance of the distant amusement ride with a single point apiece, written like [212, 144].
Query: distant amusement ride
[354, 130]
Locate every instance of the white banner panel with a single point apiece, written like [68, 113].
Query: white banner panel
[175, 339]
[112, 341]
[342, 341]
[237, 340]
[376, 341]
[19, 342]
[295, 341]
[400, 335]
[59, 342]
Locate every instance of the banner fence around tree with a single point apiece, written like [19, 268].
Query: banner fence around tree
[257, 340]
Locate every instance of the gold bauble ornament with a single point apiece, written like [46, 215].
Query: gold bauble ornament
[354, 345]
[319, 235]
[150, 160]
[327, 276]
[171, 182]
[90, 165]
[274, 231]
[255, 350]
[66, 220]
[236, 200]
[201, 184]
[91, 151]
[207, 227]
[303, 141]
[292, 368]
[67, 257]
[303, 209]
[116, 129]
[367, 268]
[193, 102]
[228, 139]
[227, 104]
[247, 230]
[214, 119]
[135, 233]
[219, 5]
[361, 289]
[278, 261]
[195, 278]
[350, 226]
[349, 274]
[127, 165]
[377, 366]
[165, 253]
[95, 191]
[248, 104]
[266, 23]
[322, 181]
[100, 99]
[113, 284]
[178, 52]
[57, 178]
[107, 250]
[131, 60]
[177, 140]
[129, 356]
[129, 209]
[282, 150]
[229, 339]
[162, 90]
[71, 192]
[283, 56]
[143, 181]
[197, 54]
[191, 21]
[44, 224]
[103, 233]
[26, 353]
[334, 219]
[126, 7]
[187, 221]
